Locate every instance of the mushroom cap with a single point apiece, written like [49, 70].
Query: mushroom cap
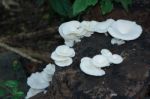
[64, 63]
[88, 33]
[69, 43]
[71, 30]
[125, 30]
[106, 53]
[112, 58]
[69, 27]
[100, 61]
[102, 27]
[57, 57]
[35, 81]
[87, 67]
[117, 41]
[64, 50]
[46, 77]
[32, 92]
[49, 69]
[88, 25]
[115, 59]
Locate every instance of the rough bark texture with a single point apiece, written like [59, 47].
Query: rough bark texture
[124, 81]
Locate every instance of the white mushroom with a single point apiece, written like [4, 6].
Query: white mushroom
[125, 30]
[36, 82]
[68, 28]
[87, 67]
[112, 58]
[57, 57]
[64, 63]
[88, 25]
[69, 43]
[94, 26]
[117, 41]
[69, 31]
[64, 50]
[32, 92]
[115, 59]
[40, 80]
[49, 69]
[72, 32]
[62, 56]
[102, 27]
[100, 61]
[48, 72]
[106, 53]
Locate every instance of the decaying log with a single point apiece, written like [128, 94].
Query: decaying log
[124, 81]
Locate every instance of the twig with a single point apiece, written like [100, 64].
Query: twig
[30, 35]
[3, 45]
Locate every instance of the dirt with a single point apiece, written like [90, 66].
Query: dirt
[128, 80]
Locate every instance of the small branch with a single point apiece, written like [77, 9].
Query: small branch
[30, 35]
[3, 45]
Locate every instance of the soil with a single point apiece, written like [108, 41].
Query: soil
[128, 80]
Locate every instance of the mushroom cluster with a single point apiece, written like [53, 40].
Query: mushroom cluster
[40, 80]
[99, 27]
[62, 55]
[93, 66]
[72, 32]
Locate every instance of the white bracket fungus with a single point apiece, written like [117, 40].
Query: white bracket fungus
[94, 26]
[100, 61]
[102, 27]
[125, 30]
[40, 80]
[112, 58]
[88, 67]
[92, 66]
[62, 56]
[72, 32]
[32, 92]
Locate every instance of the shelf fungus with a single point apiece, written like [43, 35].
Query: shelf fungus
[117, 41]
[95, 26]
[93, 66]
[40, 80]
[62, 56]
[112, 58]
[125, 30]
[72, 32]
[89, 68]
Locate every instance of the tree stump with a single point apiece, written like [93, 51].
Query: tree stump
[128, 80]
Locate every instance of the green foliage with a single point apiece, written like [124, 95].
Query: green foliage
[2, 92]
[72, 8]
[11, 83]
[106, 6]
[125, 3]
[40, 2]
[81, 5]
[16, 65]
[62, 7]
[10, 87]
